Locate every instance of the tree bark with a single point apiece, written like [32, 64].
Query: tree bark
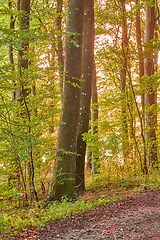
[149, 100]
[63, 183]
[86, 88]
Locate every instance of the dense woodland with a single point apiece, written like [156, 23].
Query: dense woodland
[79, 94]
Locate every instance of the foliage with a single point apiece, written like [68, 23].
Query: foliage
[36, 133]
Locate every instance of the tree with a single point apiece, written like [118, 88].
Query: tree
[59, 42]
[24, 87]
[125, 137]
[86, 89]
[149, 99]
[11, 58]
[94, 121]
[63, 183]
[21, 92]
[139, 47]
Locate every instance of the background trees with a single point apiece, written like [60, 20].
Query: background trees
[126, 45]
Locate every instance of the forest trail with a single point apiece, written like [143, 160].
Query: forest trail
[137, 218]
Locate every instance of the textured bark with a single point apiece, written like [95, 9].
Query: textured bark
[86, 86]
[149, 100]
[63, 183]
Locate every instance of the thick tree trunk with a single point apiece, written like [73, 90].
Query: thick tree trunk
[63, 183]
[86, 86]
[149, 100]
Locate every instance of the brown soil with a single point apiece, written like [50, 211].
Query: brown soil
[136, 218]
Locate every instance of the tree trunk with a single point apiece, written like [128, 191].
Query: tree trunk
[89, 159]
[24, 10]
[59, 43]
[125, 137]
[63, 183]
[140, 50]
[94, 121]
[11, 57]
[86, 86]
[23, 7]
[149, 100]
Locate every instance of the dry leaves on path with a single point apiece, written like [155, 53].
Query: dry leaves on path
[137, 218]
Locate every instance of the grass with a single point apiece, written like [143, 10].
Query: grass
[100, 191]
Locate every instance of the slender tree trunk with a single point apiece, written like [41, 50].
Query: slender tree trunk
[141, 74]
[59, 42]
[125, 137]
[156, 55]
[86, 86]
[94, 121]
[24, 11]
[149, 100]
[11, 57]
[23, 7]
[63, 183]
[89, 159]
[140, 50]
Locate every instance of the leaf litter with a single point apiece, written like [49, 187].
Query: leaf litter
[137, 218]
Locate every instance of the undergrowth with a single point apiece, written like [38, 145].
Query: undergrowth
[100, 191]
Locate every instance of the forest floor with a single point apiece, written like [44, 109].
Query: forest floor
[135, 218]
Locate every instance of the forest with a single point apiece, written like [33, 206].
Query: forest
[79, 112]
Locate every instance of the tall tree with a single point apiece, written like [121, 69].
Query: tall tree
[149, 99]
[125, 137]
[11, 57]
[65, 164]
[141, 74]
[139, 47]
[86, 89]
[94, 120]
[21, 91]
[24, 11]
[59, 42]
[24, 85]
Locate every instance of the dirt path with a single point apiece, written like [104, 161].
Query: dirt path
[136, 218]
